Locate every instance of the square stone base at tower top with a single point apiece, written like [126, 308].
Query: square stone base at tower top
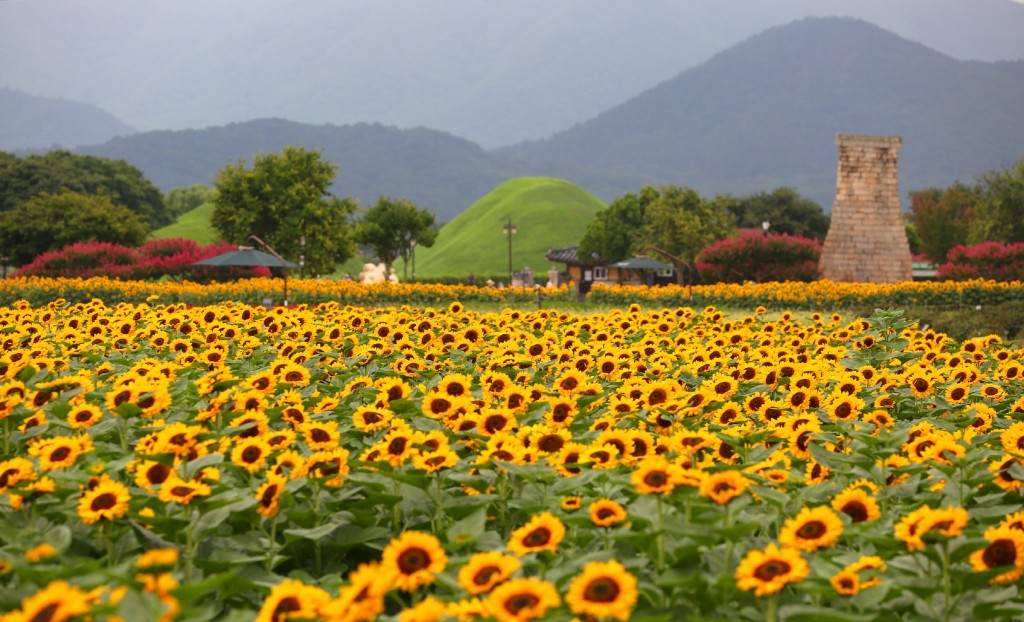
[867, 240]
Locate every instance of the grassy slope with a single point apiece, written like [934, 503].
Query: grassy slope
[547, 213]
[192, 225]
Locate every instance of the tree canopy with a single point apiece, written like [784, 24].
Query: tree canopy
[283, 198]
[999, 212]
[22, 179]
[181, 200]
[783, 208]
[941, 218]
[51, 221]
[674, 219]
[394, 227]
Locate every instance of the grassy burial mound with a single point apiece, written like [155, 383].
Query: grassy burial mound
[546, 212]
[192, 225]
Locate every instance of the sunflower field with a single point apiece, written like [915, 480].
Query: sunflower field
[342, 463]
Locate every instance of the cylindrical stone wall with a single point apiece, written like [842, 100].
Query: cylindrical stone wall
[867, 240]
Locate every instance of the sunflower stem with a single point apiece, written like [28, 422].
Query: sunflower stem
[188, 544]
[439, 518]
[659, 559]
[773, 607]
[947, 587]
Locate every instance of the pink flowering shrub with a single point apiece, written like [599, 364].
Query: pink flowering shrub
[171, 257]
[987, 260]
[760, 258]
[86, 259]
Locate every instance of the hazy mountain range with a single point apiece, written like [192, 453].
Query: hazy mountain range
[760, 114]
[495, 72]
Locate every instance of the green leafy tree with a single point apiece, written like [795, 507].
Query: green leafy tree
[181, 200]
[52, 221]
[942, 217]
[283, 198]
[999, 212]
[612, 233]
[783, 208]
[393, 228]
[680, 222]
[673, 219]
[22, 179]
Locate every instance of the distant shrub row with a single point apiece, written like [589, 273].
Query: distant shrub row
[169, 257]
[987, 260]
[760, 258]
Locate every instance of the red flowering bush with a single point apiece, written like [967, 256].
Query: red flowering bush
[760, 258]
[987, 260]
[86, 259]
[171, 257]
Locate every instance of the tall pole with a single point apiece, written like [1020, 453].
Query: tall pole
[284, 264]
[509, 229]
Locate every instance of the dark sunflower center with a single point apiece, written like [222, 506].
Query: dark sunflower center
[538, 537]
[397, 446]
[251, 454]
[812, 530]
[1000, 553]
[771, 569]
[182, 491]
[521, 601]
[60, 454]
[551, 442]
[371, 417]
[413, 560]
[103, 502]
[656, 479]
[921, 384]
[267, 499]
[83, 416]
[844, 410]
[603, 590]
[604, 513]
[483, 576]
[856, 510]
[46, 613]
[658, 396]
[286, 606]
[158, 473]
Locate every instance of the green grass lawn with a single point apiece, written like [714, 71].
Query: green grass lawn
[192, 225]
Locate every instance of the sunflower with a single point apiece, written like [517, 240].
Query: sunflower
[519, 600]
[60, 452]
[948, 522]
[331, 465]
[414, 558]
[292, 599]
[156, 559]
[362, 598]
[15, 471]
[656, 475]
[39, 553]
[572, 503]
[268, 495]
[768, 571]
[605, 513]
[1004, 550]
[370, 418]
[177, 490]
[321, 435]
[485, 570]
[251, 453]
[543, 532]
[723, 486]
[455, 385]
[846, 583]
[106, 500]
[811, 529]
[857, 504]
[435, 460]
[83, 416]
[57, 602]
[150, 474]
[603, 590]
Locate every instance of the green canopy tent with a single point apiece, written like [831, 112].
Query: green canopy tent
[246, 257]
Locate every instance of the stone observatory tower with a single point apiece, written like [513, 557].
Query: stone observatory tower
[867, 241]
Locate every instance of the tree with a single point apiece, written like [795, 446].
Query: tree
[942, 218]
[394, 227]
[783, 208]
[673, 219]
[22, 179]
[181, 200]
[51, 221]
[283, 199]
[999, 212]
